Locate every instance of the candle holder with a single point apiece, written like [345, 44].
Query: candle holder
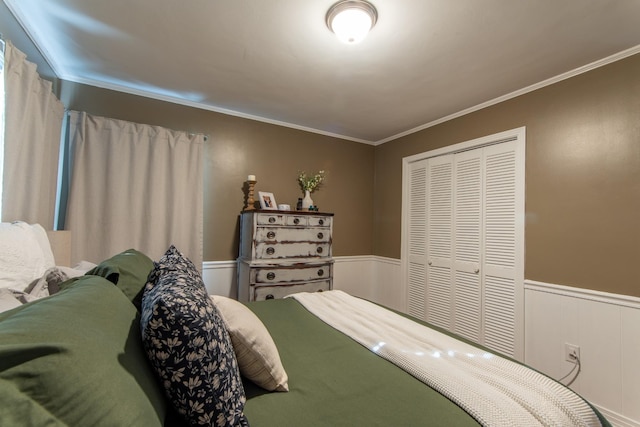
[251, 185]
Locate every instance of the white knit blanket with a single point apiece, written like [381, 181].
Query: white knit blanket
[493, 390]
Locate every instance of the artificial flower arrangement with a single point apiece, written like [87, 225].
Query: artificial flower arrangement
[310, 183]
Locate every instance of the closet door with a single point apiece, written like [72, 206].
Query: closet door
[503, 269]
[416, 264]
[439, 241]
[470, 278]
[467, 244]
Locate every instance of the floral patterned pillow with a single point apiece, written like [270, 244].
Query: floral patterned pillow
[188, 345]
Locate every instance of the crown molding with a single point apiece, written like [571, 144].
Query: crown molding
[575, 72]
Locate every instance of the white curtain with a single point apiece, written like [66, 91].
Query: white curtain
[133, 186]
[33, 122]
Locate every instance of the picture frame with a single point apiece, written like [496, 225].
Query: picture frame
[267, 201]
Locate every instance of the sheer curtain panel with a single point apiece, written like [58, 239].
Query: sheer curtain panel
[133, 186]
[33, 122]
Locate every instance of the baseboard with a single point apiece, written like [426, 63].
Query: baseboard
[617, 420]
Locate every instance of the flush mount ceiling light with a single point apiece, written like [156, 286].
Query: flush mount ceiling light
[351, 20]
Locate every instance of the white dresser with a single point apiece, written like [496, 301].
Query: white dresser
[283, 252]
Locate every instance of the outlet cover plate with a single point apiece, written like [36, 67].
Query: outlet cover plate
[569, 351]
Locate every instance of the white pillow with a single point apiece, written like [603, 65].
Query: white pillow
[22, 258]
[257, 355]
[43, 240]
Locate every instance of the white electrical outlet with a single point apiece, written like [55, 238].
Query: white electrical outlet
[571, 352]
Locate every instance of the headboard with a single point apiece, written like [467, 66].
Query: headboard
[60, 242]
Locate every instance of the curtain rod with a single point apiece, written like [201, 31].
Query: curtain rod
[204, 135]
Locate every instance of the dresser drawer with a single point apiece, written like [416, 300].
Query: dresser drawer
[261, 293]
[320, 221]
[265, 250]
[290, 274]
[296, 220]
[270, 219]
[292, 220]
[282, 234]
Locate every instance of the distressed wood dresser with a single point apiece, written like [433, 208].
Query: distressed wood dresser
[283, 252]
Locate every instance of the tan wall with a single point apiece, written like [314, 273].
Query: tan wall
[582, 177]
[238, 147]
[583, 170]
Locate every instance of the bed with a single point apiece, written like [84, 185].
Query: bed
[338, 382]
[318, 376]
[335, 381]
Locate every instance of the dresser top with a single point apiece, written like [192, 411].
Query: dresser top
[276, 212]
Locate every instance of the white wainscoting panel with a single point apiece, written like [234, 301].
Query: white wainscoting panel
[220, 278]
[374, 278]
[388, 284]
[605, 326]
[631, 356]
[354, 275]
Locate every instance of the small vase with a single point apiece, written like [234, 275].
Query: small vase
[307, 201]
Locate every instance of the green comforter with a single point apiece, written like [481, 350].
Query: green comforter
[334, 381]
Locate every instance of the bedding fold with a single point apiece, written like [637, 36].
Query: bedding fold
[492, 389]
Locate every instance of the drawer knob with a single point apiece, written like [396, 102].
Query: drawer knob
[272, 220]
[270, 251]
[271, 275]
[321, 222]
[320, 272]
[296, 221]
[270, 296]
[320, 235]
[319, 249]
[271, 235]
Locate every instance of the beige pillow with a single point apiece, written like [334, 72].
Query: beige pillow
[255, 350]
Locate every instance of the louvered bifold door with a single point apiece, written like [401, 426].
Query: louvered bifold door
[467, 224]
[417, 239]
[503, 249]
[439, 240]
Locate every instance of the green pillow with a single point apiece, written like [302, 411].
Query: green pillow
[127, 270]
[75, 358]
[19, 409]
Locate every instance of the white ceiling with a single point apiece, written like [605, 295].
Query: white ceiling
[276, 61]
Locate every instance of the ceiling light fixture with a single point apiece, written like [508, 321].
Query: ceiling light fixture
[351, 20]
